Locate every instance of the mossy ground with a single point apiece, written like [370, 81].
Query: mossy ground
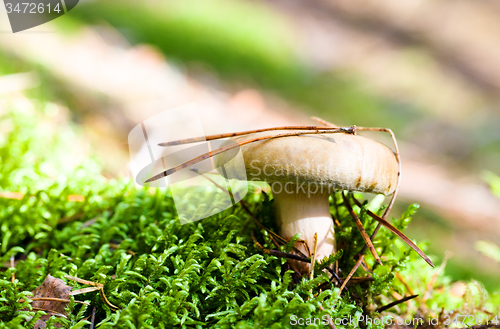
[162, 274]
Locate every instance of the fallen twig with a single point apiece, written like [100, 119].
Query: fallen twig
[351, 273]
[361, 229]
[95, 286]
[399, 301]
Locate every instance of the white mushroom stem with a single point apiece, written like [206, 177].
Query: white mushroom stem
[305, 213]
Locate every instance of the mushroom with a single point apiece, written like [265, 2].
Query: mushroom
[304, 170]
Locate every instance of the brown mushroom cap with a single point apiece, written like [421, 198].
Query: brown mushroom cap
[339, 161]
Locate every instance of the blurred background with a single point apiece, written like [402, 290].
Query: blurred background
[428, 70]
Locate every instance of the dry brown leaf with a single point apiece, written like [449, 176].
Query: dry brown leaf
[50, 288]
